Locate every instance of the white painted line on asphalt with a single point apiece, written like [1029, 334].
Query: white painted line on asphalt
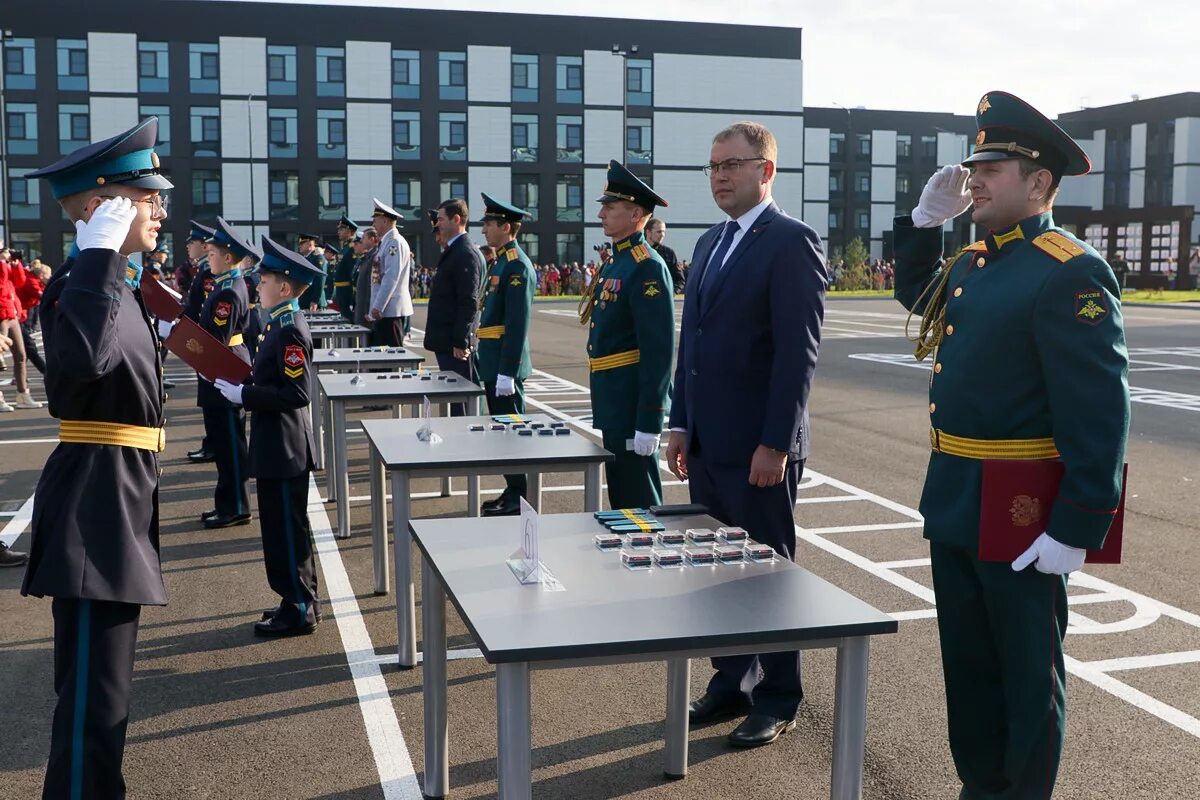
[463, 654]
[29, 441]
[397, 777]
[1167, 713]
[906, 564]
[881, 526]
[837, 498]
[16, 526]
[907, 616]
[1144, 662]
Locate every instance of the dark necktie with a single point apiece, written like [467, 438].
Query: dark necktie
[717, 259]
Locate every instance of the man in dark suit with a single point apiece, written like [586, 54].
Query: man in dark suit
[751, 325]
[454, 294]
[656, 233]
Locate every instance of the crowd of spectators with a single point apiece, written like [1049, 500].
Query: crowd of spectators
[21, 287]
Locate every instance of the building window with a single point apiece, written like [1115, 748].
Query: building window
[74, 128]
[331, 72]
[281, 70]
[864, 144]
[285, 194]
[903, 145]
[163, 145]
[529, 243]
[524, 79]
[21, 122]
[331, 133]
[20, 69]
[206, 131]
[568, 139]
[452, 136]
[406, 74]
[23, 194]
[639, 82]
[903, 183]
[525, 194]
[454, 185]
[406, 135]
[406, 194]
[525, 137]
[569, 198]
[331, 195]
[836, 178]
[638, 144]
[864, 220]
[835, 220]
[568, 79]
[204, 68]
[152, 67]
[862, 182]
[568, 248]
[928, 147]
[30, 244]
[72, 65]
[282, 133]
[452, 76]
[206, 192]
[837, 145]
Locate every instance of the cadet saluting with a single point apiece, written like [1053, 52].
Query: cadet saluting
[1029, 363]
[95, 514]
[343, 274]
[630, 314]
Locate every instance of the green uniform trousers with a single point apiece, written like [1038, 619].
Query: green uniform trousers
[633, 480]
[509, 404]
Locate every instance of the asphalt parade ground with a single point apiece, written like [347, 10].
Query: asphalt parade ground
[218, 713]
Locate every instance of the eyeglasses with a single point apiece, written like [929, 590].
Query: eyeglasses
[729, 166]
[159, 203]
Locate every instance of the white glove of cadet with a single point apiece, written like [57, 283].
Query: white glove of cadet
[505, 386]
[645, 444]
[1052, 557]
[230, 392]
[108, 227]
[944, 197]
[164, 329]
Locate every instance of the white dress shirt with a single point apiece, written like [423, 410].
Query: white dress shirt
[745, 222]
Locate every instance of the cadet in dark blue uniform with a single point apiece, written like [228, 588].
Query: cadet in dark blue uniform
[225, 315]
[95, 514]
[502, 356]
[202, 286]
[343, 273]
[630, 314]
[314, 297]
[281, 443]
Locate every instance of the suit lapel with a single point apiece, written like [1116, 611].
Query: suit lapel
[748, 240]
[704, 248]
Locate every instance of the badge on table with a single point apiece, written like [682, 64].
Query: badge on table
[525, 562]
[425, 432]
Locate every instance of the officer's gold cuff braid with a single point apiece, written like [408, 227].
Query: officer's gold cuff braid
[933, 320]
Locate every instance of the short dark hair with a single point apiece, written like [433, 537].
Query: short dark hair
[455, 207]
[1028, 167]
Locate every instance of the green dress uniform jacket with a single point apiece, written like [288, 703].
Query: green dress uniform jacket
[343, 282]
[316, 292]
[504, 316]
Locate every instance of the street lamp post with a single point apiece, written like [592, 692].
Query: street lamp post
[847, 178]
[6, 38]
[624, 55]
[250, 136]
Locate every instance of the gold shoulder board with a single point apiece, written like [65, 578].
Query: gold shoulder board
[1058, 246]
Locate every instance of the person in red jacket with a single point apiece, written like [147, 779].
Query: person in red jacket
[10, 326]
[29, 295]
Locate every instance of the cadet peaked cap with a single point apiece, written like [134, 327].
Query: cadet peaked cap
[1010, 128]
[127, 158]
[225, 235]
[622, 184]
[309, 237]
[384, 210]
[199, 233]
[277, 258]
[346, 222]
[501, 211]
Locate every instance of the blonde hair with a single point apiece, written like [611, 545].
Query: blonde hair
[757, 134]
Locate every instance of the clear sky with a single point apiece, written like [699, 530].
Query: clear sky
[942, 55]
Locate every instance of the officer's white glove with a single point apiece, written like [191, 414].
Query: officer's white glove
[230, 392]
[108, 227]
[944, 197]
[505, 386]
[164, 329]
[1052, 557]
[645, 444]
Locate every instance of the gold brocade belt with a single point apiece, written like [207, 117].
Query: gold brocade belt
[114, 433]
[999, 449]
[622, 359]
[235, 340]
[341, 284]
[490, 332]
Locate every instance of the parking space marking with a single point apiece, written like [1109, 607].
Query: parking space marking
[20, 521]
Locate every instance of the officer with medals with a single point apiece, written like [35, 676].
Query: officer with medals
[343, 273]
[202, 286]
[314, 296]
[1026, 337]
[391, 303]
[95, 514]
[225, 315]
[630, 314]
[281, 441]
[502, 355]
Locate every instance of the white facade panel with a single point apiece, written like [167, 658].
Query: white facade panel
[489, 74]
[1076, 190]
[235, 192]
[1137, 146]
[243, 65]
[496, 181]
[1137, 188]
[883, 184]
[1186, 188]
[882, 218]
[688, 193]
[369, 131]
[684, 138]
[1095, 152]
[603, 84]
[593, 187]
[1187, 140]
[489, 134]
[727, 82]
[111, 115]
[816, 182]
[369, 70]
[236, 122]
[817, 217]
[788, 193]
[112, 62]
[816, 146]
[367, 181]
[883, 148]
[951, 148]
[602, 138]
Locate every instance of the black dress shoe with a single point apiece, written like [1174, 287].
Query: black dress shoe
[200, 456]
[207, 515]
[168, 384]
[11, 558]
[759, 729]
[488, 505]
[275, 629]
[714, 708]
[271, 612]
[227, 520]
[505, 507]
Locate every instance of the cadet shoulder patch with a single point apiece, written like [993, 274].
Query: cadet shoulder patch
[1091, 306]
[221, 313]
[1058, 246]
[640, 253]
[515, 281]
[651, 288]
[293, 361]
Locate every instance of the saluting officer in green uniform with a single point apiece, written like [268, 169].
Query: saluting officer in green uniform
[630, 314]
[502, 356]
[1029, 363]
[314, 296]
[343, 273]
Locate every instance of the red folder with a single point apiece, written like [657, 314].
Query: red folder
[205, 353]
[1015, 506]
[160, 300]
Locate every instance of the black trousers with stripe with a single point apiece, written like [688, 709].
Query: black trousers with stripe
[288, 547]
[509, 404]
[94, 643]
[225, 429]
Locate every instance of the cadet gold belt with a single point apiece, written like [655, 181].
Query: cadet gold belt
[235, 340]
[490, 332]
[615, 360]
[341, 283]
[1000, 449]
[114, 433]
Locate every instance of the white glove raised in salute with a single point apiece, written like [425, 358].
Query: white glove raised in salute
[1052, 557]
[230, 392]
[645, 444]
[505, 386]
[108, 227]
[944, 197]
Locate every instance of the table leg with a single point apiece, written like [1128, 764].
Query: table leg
[406, 601]
[591, 487]
[397, 411]
[447, 483]
[850, 719]
[433, 640]
[513, 728]
[678, 681]
[318, 419]
[330, 438]
[472, 495]
[341, 470]
[379, 553]
[534, 481]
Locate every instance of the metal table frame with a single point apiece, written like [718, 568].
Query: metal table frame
[349, 335]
